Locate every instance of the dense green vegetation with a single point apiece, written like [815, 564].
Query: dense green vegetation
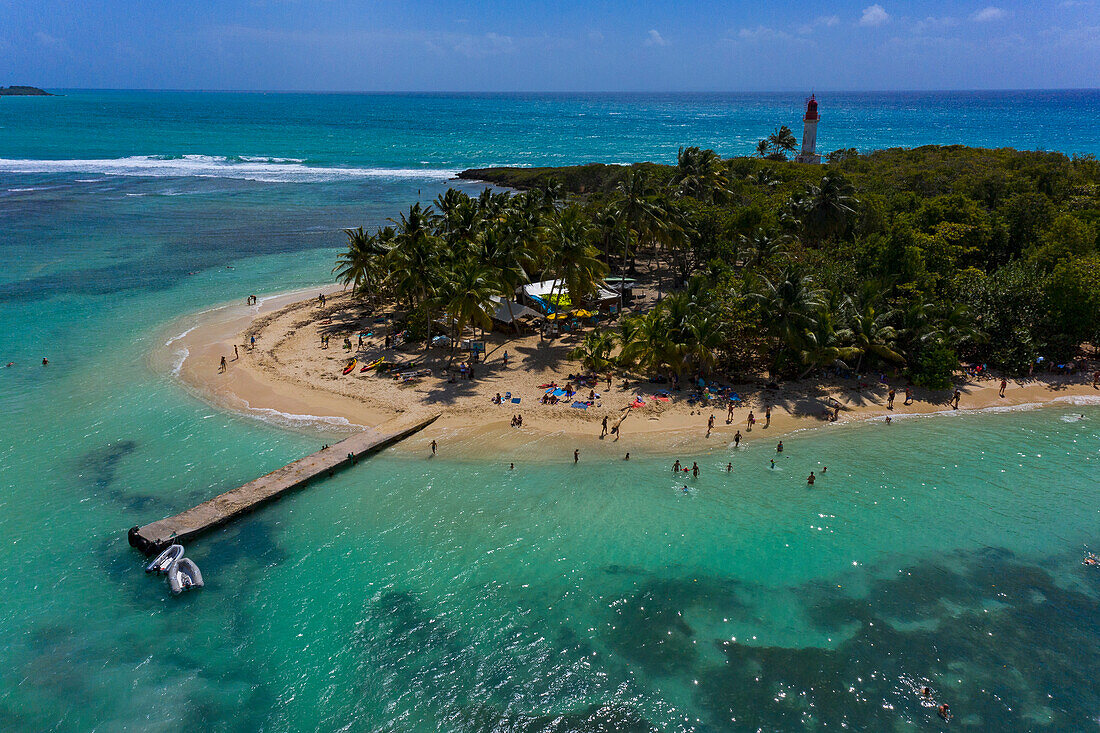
[899, 259]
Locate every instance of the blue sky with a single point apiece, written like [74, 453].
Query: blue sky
[489, 45]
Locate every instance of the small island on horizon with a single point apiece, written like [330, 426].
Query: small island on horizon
[15, 90]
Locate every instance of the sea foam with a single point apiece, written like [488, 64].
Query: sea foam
[269, 170]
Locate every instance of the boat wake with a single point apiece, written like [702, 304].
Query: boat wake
[248, 168]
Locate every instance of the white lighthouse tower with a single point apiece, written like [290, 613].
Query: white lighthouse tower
[809, 133]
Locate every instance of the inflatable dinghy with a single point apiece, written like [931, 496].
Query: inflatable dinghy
[165, 559]
[184, 575]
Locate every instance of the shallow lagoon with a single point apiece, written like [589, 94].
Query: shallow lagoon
[426, 594]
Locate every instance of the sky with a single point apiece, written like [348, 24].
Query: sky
[555, 45]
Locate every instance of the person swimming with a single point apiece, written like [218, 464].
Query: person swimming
[729, 467]
[944, 711]
[685, 488]
[676, 466]
[773, 463]
[811, 478]
[779, 448]
[695, 469]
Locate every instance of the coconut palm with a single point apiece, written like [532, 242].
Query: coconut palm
[868, 332]
[699, 174]
[362, 265]
[645, 340]
[762, 148]
[466, 296]
[508, 259]
[636, 208]
[783, 141]
[790, 307]
[595, 350]
[574, 260]
[763, 247]
[826, 209]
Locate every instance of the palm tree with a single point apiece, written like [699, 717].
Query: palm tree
[575, 262]
[467, 297]
[783, 141]
[361, 266]
[699, 174]
[826, 209]
[508, 259]
[868, 332]
[790, 308]
[762, 148]
[763, 247]
[645, 340]
[636, 209]
[595, 351]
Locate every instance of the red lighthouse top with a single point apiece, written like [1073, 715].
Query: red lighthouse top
[811, 109]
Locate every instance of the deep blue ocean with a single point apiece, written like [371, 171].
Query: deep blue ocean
[423, 595]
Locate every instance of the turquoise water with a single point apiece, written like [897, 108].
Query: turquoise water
[442, 594]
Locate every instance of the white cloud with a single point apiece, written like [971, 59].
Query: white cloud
[762, 33]
[655, 39]
[933, 24]
[874, 15]
[987, 14]
[825, 21]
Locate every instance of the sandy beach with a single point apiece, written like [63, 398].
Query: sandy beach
[290, 378]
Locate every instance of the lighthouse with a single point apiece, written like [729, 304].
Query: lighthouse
[809, 133]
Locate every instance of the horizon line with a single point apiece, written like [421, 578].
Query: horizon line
[563, 92]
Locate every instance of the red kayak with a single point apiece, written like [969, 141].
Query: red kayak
[351, 365]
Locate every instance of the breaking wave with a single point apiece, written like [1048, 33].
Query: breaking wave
[249, 168]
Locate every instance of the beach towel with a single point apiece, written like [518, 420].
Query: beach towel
[580, 405]
[662, 398]
[515, 400]
[559, 393]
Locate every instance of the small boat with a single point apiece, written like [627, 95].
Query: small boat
[184, 575]
[372, 365]
[350, 366]
[165, 559]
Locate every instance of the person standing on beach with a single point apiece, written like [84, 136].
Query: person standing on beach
[1004, 383]
[957, 396]
[908, 395]
[710, 425]
[729, 412]
[604, 431]
[252, 342]
[236, 354]
[767, 416]
[433, 447]
[737, 439]
[751, 420]
[576, 456]
[221, 368]
[890, 399]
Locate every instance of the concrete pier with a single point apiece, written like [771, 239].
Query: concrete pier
[232, 504]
